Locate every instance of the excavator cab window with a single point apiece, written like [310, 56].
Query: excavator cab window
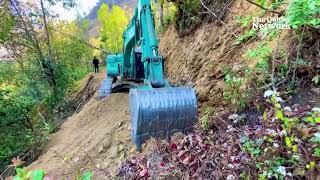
[139, 66]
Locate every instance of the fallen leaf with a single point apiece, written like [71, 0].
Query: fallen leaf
[186, 160]
[173, 147]
[306, 131]
[162, 164]
[198, 138]
[17, 161]
[144, 173]
[182, 152]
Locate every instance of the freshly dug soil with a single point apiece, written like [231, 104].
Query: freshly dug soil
[96, 139]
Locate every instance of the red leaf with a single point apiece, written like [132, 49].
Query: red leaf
[173, 147]
[182, 152]
[162, 164]
[194, 162]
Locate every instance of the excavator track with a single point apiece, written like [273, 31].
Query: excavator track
[106, 88]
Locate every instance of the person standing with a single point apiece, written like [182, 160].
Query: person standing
[95, 63]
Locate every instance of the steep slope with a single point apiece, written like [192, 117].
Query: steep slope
[95, 139]
[199, 59]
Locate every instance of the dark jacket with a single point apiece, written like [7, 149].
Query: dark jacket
[95, 62]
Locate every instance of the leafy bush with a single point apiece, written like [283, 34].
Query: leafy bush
[235, 93]
[169, 17]
[303, 12]
[288, 132]
[16, 126]
[23, 89]
[187, 13]
[205, 119]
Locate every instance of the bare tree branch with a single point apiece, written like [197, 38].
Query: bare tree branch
[213, 13]
[82, 41]
[269, 10]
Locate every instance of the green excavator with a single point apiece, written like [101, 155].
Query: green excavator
[157, 109]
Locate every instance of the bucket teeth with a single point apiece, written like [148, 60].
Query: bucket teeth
[160, 113]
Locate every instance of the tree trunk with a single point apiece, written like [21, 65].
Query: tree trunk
[160, 14]
[49, 63]
[46, 29]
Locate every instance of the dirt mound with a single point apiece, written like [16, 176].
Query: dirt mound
[95, 139]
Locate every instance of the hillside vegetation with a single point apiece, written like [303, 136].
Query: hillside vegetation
[254, 64]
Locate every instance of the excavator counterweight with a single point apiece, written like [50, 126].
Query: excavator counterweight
[157, 109]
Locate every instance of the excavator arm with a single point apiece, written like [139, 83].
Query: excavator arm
[157, 109]
[141, 33]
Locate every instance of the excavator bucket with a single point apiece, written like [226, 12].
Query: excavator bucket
[159, 113]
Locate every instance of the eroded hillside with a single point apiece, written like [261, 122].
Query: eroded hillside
[200, 58]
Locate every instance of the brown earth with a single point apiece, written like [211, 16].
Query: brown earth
[199, 59]
[95, 139]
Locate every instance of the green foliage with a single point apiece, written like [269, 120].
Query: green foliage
[188, 13]
[23, 174]
[8, 73]
[113, 24]
[6, 21]
[205, 119]
[244, 21]
[273, 168]
[246, 36]
[24, 88]
[283, 135]
[235, 93]
[316, 79]
[169, 16]
[16, 129]
[303, 12]
[276, 3]
[85, 176]
[317, 152]
[316, 138]
[252, 147]
[74, 59]
[261, 53]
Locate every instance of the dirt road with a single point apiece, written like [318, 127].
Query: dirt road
[95, 139]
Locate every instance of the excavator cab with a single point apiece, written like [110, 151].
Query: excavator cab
[138, 65]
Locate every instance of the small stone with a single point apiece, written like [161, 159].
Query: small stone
[100, 149]
[316, 109]
[120, 124]
[233, 117]
[288, 109]
[121, 148]
[76, 159]
[231, 177]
